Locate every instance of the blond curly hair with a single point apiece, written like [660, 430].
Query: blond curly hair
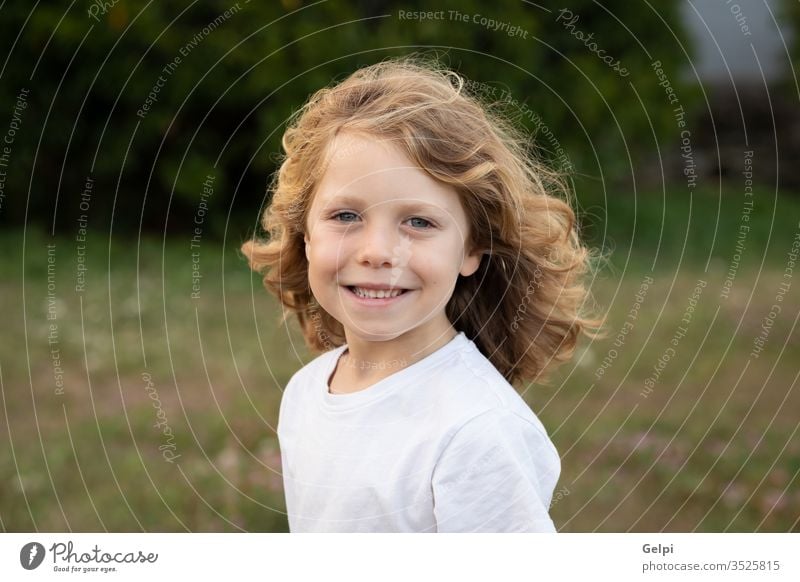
[525, 305]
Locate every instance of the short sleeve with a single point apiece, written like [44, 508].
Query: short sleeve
[497, 474]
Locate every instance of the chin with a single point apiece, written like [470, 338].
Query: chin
[376, 336]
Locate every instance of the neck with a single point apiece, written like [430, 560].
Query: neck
[369, 359]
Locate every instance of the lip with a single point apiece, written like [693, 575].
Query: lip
[376, 302]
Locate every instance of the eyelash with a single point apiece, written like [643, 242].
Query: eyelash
[430, 224]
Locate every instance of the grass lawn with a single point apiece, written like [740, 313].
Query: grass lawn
[129, 405]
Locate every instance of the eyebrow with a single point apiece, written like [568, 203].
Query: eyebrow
[413, 205]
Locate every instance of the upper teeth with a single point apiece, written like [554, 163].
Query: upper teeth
[377, 294]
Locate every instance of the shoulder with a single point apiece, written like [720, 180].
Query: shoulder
[503, 429]
[498, 472]
[483, 419]
[476, 389]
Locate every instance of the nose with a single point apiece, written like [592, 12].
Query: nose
[377, 245]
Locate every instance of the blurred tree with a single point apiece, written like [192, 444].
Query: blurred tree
[103, 101]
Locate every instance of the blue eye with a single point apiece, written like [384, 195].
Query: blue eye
[338, 214]
[427, 222]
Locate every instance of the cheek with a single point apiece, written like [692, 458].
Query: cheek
[433, 269]
[325, 254]
[447, 258]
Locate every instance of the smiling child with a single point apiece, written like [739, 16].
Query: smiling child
[433, 262]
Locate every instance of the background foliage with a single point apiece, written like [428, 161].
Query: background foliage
[222, 110]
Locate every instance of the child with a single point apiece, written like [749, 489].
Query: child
[417, 243]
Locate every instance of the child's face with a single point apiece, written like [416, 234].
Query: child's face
[379, 220]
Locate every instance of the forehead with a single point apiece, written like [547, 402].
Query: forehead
[376, 171]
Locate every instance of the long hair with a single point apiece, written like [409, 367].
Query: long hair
[525, 305]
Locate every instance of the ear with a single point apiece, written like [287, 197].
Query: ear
[471, 262]
[308, 251]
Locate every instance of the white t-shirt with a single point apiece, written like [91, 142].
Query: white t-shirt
[442, 445]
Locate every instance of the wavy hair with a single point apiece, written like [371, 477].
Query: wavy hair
[525, 305]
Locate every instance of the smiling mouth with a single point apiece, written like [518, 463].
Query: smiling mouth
[373, 294]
